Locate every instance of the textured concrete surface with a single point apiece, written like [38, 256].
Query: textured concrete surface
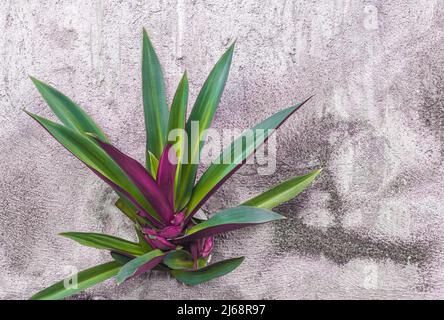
[370, 227]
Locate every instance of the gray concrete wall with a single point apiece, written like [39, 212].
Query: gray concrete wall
[370, 227]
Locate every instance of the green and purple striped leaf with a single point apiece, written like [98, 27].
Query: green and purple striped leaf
[229, 220]
[176, 125]
[142, 180]
[166, 174]
[140, 265]
[202, 113]
[91, 154]
[234, 156]
[126, 196]
[208, 273]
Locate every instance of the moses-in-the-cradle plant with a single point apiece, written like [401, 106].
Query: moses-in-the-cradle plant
[162, 197]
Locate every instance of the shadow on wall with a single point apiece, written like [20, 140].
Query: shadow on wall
[335, 242]
[341, 245]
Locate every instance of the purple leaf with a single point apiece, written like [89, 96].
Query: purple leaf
[142, 179]
[207, 247]
[170, 232]
[178, 218]
[208, 232]
[145, 214]
[166, 173]
[140, 264]
[228, 220]
[157, 241]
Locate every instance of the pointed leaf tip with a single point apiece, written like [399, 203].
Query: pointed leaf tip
[154, 99]
[104, 241]
[283, 192]
[68, 112]
[229, 220]
[203, 112]
[226, 166]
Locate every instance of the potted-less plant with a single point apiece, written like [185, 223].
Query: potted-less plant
[162, 197]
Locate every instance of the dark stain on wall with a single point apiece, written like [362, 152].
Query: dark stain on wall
[431, 110]
[337, 243]
[341, 245]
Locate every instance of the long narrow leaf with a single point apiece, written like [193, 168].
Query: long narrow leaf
[179, 106]
[142, 211]
[176, 125]
[67, 111]
[140, 264]
[95, 158]
[208, 273]
[228, 220]
[142, 180]
[84, 279]
[154, 100]
[154, 164]
[130, 210]
[103, 241]
[166, 175]
[202, 115]
[234, 156]
[282, 192]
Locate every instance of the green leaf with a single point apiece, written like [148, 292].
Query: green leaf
[154, 100]
[124, 205]
[154, 164]
[228, 220]
[120, 258]
[129, 269]
[233, 156]
[282, 192]
[208, 273]
[176, 122]
[179, 110]
[202, 113]
[237, 215]
[93, 156]
[103, 241]
[67, 111]
[85, 279]
[182, 260]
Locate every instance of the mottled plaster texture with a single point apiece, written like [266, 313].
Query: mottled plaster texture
[371, 227]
